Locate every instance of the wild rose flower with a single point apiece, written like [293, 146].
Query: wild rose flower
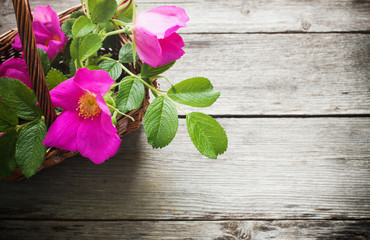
[85, 123]
[155, 35]
[48, 33]
[16, 68]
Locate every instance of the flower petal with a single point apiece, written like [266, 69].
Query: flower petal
[66, 95]
[95, 142]
[17, 45]
[48, 17]
[162, 21]
[16, 68]
[148, 47]
[97, 81]
[42, 34]
[62, 133]
[171, 48]
[106, 119]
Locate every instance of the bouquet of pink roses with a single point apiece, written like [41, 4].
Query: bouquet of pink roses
[91, 87]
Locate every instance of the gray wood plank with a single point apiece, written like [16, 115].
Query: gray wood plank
[275, 168]
[307, 74]
[243, 230]
[246, 16]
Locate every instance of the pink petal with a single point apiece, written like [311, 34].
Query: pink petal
[106, 120]
[48, 17]
[95, 142]
[66, 95]
[162, 21]
[63, 132]
[17, 45]
[171, 48]
[16, 68]
[148, 47]
[42, 34]
[97, 81]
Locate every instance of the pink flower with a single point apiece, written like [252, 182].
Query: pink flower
[16, 68]
[48, 33]
[155, 35]
[85, 123]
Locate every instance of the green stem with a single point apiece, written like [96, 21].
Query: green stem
[115, 32]
[118, 111]
[163, 78]
[87, 9]
[119, 23]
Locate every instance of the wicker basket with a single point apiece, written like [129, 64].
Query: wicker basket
[53, 155]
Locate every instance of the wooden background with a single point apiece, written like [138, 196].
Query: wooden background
[295, 85]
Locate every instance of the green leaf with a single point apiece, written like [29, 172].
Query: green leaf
[103, 11]
[45, 61]
[75, 49]
[7, 153]
[89, 45]
[54, 78]
[126, 16]
[30, 152]
[126, 53]
[19, 98]
[93, 67]
[77, 14]
[8, 119]
[108, 26]
[148, 71]
[130, 94]
[207, 134]
[195, 92]
[82, 26]
[67, 27]
[112, 67]
[161, 122]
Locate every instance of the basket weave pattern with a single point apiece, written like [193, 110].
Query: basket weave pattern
[124, 124]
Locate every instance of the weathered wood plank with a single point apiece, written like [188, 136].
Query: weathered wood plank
[275, 168]
[281, 74]
[243, 230]
[246, 15]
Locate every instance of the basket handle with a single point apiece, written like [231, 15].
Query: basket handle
[31, 56]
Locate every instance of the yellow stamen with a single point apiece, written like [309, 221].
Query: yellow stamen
[88, 108]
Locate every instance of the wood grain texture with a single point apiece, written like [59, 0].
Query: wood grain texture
[219, 230]
[305, 74]
[275, 168]
[242, 16]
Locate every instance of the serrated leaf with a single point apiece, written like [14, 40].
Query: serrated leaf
[126, 53]
[130, 94]
[195, 92]
[89, 45]
[112, 67]
[54, 78]
[82, 26]
[103, 11]
[148, 71]
[19, 98]
[93, 67]
[67, 27]
[30, 152]
[8, 119]
[207, 134]
[7, 153]
[161, 122]
[77, 14]
[75, 49]
[108, 26]
[45, 61]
